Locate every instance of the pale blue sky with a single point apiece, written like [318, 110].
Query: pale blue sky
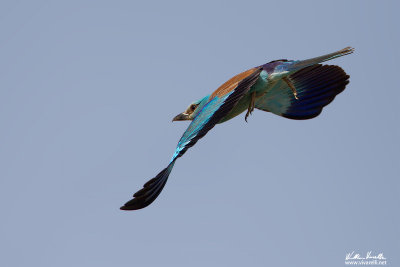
[87, 93]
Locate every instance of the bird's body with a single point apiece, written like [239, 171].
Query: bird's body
[292, 89]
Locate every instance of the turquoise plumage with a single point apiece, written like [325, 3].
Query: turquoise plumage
[292, 89]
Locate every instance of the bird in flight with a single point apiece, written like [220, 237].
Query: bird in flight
[294, 89]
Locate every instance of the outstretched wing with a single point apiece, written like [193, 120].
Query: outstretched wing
[220, 103]
[316, 87]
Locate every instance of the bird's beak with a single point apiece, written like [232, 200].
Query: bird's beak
[181, 117]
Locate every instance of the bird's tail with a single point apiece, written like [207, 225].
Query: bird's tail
[150, 190]
[312, 61]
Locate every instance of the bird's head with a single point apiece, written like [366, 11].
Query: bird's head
[192, 110]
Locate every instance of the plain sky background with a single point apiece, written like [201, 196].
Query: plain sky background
[87, 93]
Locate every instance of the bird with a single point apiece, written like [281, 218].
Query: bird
[294, 89]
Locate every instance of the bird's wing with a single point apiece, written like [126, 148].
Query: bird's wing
[316, 87]
[219, 104]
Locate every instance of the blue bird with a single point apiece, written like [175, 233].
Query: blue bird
[294, 89]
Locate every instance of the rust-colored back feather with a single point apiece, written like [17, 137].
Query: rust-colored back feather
[232, 83]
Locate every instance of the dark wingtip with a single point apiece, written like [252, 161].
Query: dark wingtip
[130, 205]
[124, 208]
[321, 84]
[149, 192]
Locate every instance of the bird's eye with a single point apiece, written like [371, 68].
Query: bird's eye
[193, 107]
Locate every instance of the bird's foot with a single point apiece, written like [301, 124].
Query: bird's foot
[251, 105]
[291, 85]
